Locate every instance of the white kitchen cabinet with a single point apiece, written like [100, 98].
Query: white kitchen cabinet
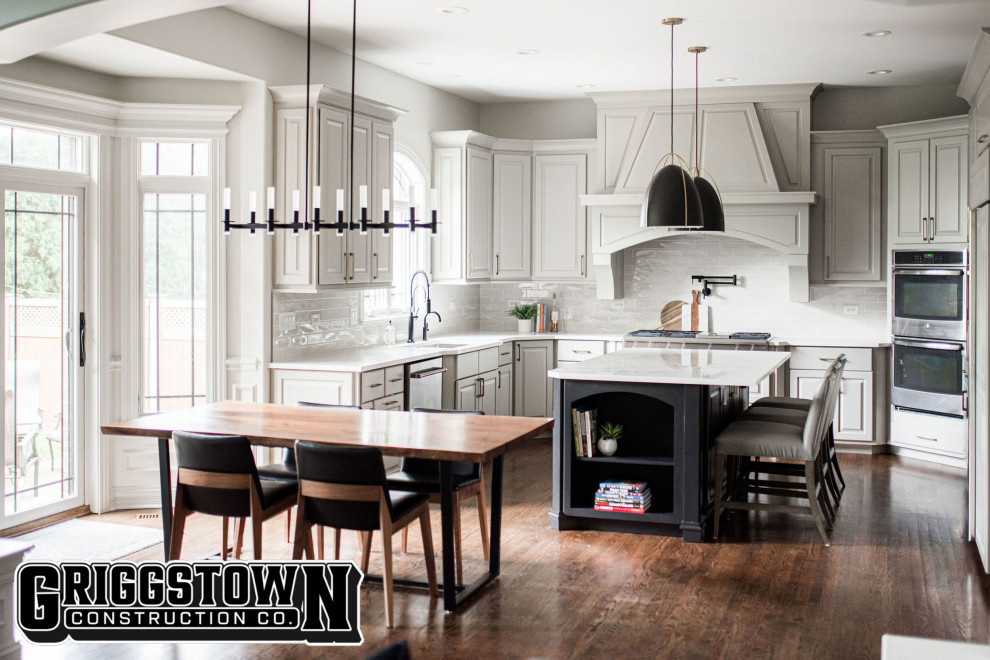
[462, 174]
[854, 410]
[302, 261]
[512, 235]
[560, 227]
[533, 390]
[927, 181]
[979, 384]
[503, 390]
[847, 171]
[290, 386]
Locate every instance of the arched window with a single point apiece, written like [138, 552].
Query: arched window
[410, 251]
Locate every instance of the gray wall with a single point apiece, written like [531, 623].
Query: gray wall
[545, 120]
[855, 108]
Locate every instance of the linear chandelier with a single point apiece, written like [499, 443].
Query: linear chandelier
[362, 224]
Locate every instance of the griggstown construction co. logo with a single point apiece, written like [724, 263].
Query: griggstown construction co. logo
[263, 601]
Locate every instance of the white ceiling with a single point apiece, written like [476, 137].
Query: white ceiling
[621, 44]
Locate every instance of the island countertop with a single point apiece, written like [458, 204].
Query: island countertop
[683, 367]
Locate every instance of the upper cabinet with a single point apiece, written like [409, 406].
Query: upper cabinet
[512, 236]
[560, 226]
[302, 261]
[463, 174]
[846, 170]
[975, 88]
[927, 181]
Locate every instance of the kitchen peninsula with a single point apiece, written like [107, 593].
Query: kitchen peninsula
[672, 404]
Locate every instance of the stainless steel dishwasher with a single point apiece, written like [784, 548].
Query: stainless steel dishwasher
[424, 383]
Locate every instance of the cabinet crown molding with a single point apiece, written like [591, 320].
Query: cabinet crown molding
[708, 95]
[461, 139]
[930, 127]
[977, 74]
[867, 137]
[295, 96]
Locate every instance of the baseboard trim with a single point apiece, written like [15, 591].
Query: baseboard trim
[24, 528]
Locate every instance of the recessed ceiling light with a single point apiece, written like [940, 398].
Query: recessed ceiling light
[453, 75]
[424, 63]
[585, 86]
[453, 10]
[880, 72]
[725, 79]
[875, 33]
[527, 51]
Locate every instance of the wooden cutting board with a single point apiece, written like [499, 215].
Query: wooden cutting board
[670, 315]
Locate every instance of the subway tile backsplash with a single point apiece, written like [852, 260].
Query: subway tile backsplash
[308, 324]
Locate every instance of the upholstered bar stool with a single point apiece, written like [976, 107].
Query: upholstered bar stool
[218, 476]
[420, 475]
[763, 439]
[345, 488]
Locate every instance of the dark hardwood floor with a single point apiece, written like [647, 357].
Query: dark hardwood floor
[898, 563]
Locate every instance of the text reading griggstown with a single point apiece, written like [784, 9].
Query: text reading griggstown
[314, 602]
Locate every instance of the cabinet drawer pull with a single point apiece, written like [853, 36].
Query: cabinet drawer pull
[505, 353]
[375, 385]
[395, 380]
[983, 139]
[581, 352]
[934, 229]
[921, 437]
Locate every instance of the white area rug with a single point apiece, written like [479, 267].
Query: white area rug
[82, 540]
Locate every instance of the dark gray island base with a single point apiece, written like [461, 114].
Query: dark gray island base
[672, 405]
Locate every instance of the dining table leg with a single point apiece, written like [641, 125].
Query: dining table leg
[447, 536]
[165, 483]
[495, 534]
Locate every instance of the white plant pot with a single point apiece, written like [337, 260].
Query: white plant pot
[526, 325]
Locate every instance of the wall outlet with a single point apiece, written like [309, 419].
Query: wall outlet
[618, 304]
[314, 317]
[850, 309]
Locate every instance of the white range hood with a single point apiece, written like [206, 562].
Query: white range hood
[755, 141]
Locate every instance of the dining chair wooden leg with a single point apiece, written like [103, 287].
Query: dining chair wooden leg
[238, 537]
[719, 474]
[458, 559]
[482, 515]
[405, 540]
[366, 552]
[431, 566]
[816, 512]
[336, 542]
[320, 542]
[387, 575]
[179, 514]
[288, 525]
[256, 533]
[361, 541]
[223, 548]
[302, 543]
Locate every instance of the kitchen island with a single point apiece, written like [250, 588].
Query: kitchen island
[672, 404]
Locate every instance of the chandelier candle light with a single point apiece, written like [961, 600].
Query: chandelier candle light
[363, 224]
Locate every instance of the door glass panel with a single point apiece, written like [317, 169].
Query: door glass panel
[40, 452]
[174, 292]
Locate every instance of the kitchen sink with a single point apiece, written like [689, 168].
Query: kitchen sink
[433, 345]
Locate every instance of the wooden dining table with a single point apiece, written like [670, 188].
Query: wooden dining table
[480, 439]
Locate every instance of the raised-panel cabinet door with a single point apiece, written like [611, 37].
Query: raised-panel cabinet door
[448, 248]
[512, 235]
[907, 191]
[854, 409]
[383, 154]
[947, 183]
[851, 209]
[503, 390]
[560, 242]
[533, 389]
[467, 391]
[294, 253]
[479, 213]
[334, 131]
[358, 246]
[489, 392]
[291, 387]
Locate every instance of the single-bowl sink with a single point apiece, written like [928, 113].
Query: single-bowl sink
[433, 345]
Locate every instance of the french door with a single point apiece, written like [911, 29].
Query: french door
[44, 351]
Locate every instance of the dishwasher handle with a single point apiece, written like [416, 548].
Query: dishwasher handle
[428, 372]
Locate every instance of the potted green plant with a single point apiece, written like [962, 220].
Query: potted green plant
[524, 315]
[610, 434]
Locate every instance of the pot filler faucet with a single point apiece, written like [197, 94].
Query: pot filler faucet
[414, 312]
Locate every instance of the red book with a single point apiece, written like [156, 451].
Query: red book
[619, 509]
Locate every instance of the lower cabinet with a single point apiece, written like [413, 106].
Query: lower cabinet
[503, 390]
[477, 393]
[533, 390]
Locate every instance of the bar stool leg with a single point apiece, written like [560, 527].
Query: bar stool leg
[719, 474]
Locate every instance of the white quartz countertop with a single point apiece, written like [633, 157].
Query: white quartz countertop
[677, 366]
[376, 357]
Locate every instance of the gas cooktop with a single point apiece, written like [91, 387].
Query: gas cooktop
[693, 334]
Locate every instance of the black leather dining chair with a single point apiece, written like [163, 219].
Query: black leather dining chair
[218, 477]
[421, 475]
[345, 488]
[286, 471]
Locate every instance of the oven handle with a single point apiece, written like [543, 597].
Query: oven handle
[938, 346]
[920, 272]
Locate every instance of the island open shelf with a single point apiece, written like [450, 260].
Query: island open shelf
[672, 404]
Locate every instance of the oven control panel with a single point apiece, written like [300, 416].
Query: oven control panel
[929, 258]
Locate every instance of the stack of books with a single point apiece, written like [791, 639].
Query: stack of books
[585, 424]
[542, 318]
[623, 496]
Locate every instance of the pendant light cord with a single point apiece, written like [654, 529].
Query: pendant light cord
[353, 70]
[309, 57]
[697, 128]
[671, 90]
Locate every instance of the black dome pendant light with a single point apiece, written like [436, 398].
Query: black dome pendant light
[713, 216]
[672, 199]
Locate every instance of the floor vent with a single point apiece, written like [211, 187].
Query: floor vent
[149, 516]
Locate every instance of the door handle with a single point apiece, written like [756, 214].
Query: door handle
[478, 395]
[924, 229]
[582, 265]
[353, 259]
[496, 264]
[375, 255]
[933, 230]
